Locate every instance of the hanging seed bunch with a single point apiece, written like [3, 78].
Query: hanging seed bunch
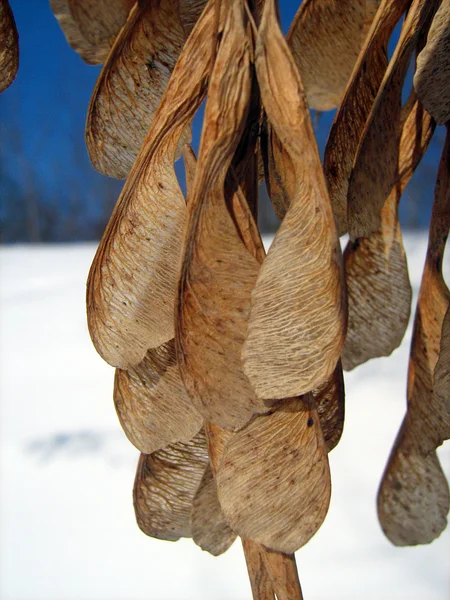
[229, 361]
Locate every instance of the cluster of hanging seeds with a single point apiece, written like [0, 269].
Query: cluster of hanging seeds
[229, 362]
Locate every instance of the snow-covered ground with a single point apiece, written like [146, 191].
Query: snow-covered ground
[67, 528]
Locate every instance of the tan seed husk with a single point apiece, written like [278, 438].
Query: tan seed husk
[90, 26]
[351, 116]
[273, 479]
[432, 76]
[441, 383]
[131, 85]
[209, 528]
[376, 164]
[132, 282]
[9, 50]
[413, 500]
[325, 39]
[330, 401]
[165, 487]
[379, 292]
[218, 271]
[298, 313]
[152, 404]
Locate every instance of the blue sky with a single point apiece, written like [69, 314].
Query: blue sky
[42, 118]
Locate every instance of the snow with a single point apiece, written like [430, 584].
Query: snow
[67, 528]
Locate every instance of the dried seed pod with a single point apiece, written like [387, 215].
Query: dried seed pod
[165, 487]
[131, 85]
[133, 279]
[273, 480]
[330, 401]
[432, 76]
[218, 271]
[427, 417]
[413, 474]
[279, 172]
[283, 577]
[325, 39]
[9, 51]
[209, 528]
[152, 404]
[375, 168]
[379, 292]
[441, 384]
[413, 500]
[352, 114]
[216, 438]
[190, 11]
[298, 313]
[90, 26]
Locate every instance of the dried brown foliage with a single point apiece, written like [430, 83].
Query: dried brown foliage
[273, 480]
[373, 173]
[298, 317]
[229, 376]
[325, 39]
[213, 304]
[165, 487]
[379, 292]
[432, 77]
[9, 48]
[329, 397]
[354, 110]
[441, 383]
[413, 500]
[152, 404]
[132, 284]
[131, 85]
[210, 529]
[90, 26]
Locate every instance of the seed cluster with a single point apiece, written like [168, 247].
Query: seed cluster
[229, 362]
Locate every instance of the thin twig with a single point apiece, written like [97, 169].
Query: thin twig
[282, 570]
[259, 578]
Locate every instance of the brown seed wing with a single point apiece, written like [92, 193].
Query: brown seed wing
[99, 21]
[375, 168]
[131, 85]
[152, 404]
[297, 319]
[133, 279]
[90, 26]
[190, 11]
[379, 292]
[279, 173]
[432, 77]
[325, 39]
[442, 369]
[217, 278]
[216, 438]
[413, 499]
[9, 50]
[218, 271]
[273, 480]
[165, 487]
[209, 528]
[330, 402]
[352, 114]
[427, 416]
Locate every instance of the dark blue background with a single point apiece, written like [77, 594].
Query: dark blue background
[48, 189]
